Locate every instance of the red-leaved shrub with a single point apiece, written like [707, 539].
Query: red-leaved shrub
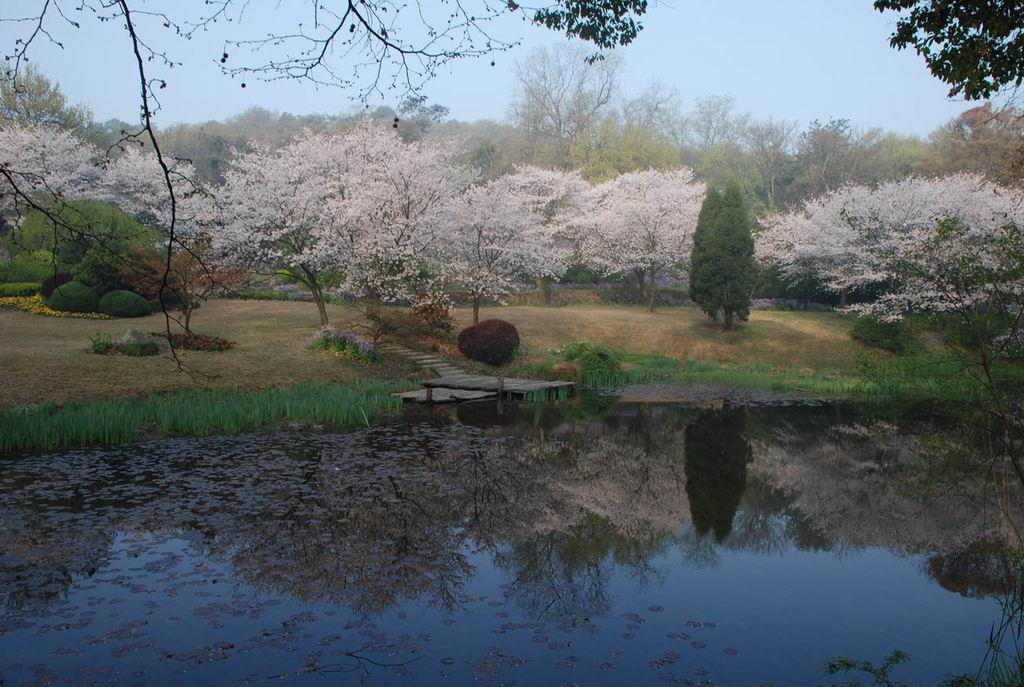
[494, 342]
[52, 282]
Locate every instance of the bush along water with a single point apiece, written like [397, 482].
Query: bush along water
[494, 342]
[593, 362]
[344, 344]
[193, 413]
[895, 337]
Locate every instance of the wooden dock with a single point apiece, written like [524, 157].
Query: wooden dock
[453, 384]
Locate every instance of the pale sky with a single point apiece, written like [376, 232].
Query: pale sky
[797, 59]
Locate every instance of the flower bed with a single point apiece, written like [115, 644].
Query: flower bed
[37, 306]
[344, 344]
[196, 342]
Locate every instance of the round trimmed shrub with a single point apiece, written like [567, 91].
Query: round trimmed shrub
[73, 297]
[52, 282]
[124, 304]
[494, 342]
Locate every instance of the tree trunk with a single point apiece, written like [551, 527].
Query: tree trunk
[641, 284]
[728, 321]
[311, 281]
[652, 291]
[321, 308]
[476, 309]
[545, 293]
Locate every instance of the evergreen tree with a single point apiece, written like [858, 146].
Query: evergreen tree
[722, 270]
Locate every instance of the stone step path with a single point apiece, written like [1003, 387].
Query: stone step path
[452, 383]
[440, 367]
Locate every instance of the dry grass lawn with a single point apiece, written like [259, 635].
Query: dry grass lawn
[46, 359]
[816, 340]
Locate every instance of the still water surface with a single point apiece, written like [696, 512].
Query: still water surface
[589, 543]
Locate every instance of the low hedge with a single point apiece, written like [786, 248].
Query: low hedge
[124, 304]
[73, 297]
[20, 289]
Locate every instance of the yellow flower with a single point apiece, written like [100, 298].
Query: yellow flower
[37, 306]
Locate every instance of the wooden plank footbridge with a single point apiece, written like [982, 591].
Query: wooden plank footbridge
[452, 383]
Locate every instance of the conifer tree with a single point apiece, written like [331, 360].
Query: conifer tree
[722, 267]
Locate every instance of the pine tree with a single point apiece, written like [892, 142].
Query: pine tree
[722, 268]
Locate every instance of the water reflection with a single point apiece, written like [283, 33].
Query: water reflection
[567, 516]
[717, 455]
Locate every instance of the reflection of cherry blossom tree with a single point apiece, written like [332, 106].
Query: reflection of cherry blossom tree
[380, 517]
[874, 485]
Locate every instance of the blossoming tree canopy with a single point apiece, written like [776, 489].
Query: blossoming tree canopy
[504, 232]
[277, 210]
[918, 239]
[134, 181]
[398, 200]
[44, 160]
[642, 223]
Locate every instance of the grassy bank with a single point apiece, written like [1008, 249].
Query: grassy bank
[876, 377]
[193, 413]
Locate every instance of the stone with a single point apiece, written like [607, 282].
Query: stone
[133, 335]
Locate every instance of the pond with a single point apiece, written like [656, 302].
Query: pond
[589, 542]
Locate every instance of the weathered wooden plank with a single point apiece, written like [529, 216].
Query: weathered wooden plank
[512, 385]
[444, 395]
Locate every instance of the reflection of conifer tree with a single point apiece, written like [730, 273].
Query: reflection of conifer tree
[717, 454]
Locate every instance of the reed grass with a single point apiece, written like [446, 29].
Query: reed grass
[193, 413]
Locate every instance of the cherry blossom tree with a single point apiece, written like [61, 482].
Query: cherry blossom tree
[282, 211]
[898, 237]
[504, 233]
[361, 209]
[642, 223]
[133, 180]
[398, 209]
[43, 165]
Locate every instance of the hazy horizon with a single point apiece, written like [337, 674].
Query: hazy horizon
[813, 62]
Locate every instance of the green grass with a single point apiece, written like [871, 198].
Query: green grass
[925, 377]
[192, 413]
